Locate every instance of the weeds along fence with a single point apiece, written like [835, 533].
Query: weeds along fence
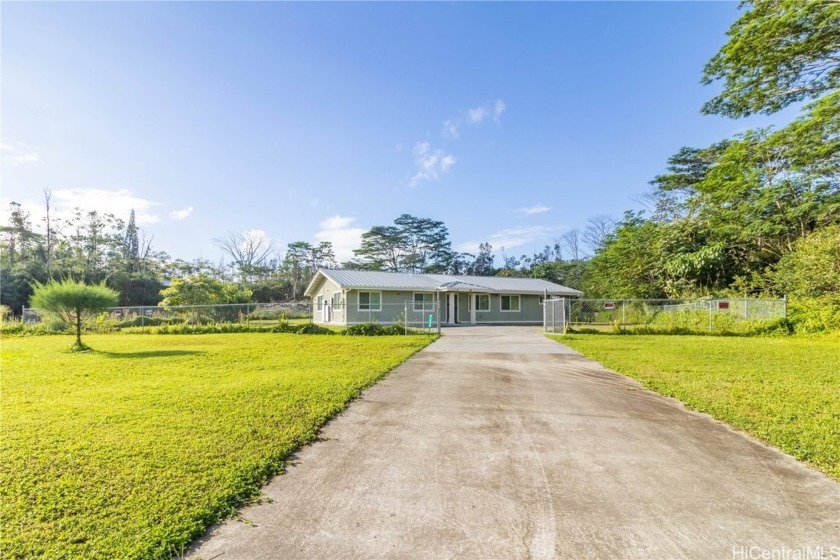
[149, 316]
[733, 315]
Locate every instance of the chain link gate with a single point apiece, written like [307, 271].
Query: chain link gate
[555, 315]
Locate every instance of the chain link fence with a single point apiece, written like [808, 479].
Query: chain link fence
[143, 316]
[415, 315]
[411, 315]
[705, 315]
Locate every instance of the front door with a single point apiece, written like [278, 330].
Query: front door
[451, 308]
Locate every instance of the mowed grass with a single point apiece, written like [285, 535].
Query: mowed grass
[131, 451]
[785, 391]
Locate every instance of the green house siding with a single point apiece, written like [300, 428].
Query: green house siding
[394, 304]
[335, 314]
[530, 310]
[393, 308]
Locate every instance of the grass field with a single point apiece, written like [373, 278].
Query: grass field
[785, 391]
[132, 450]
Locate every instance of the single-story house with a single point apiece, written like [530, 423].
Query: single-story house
[347, 297]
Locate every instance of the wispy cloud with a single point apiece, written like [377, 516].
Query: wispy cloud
[430, 164]
[18, 154]
[181, 214]
[474, 116]
[498, 108]
[536, 209]
[510, 238]
[477, 115]
[340, 231]
[118, 202]
[450, 129]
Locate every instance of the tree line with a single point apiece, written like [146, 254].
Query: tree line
[754, 214]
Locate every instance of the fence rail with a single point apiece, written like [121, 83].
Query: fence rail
[712, 315]
[412, 315]
[418, 315]
[149, 315]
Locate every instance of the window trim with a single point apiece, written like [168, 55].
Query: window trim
[478, 309]
[518, 303]
[369, 307]
[425, 305]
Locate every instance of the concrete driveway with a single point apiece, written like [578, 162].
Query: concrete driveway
[496, 442]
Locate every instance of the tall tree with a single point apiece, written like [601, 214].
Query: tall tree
[248, 251]
[779, 52]
[483, 263]
[50, 233]
[597, 231]
[411, 245]
[19, 239]
[132, 243]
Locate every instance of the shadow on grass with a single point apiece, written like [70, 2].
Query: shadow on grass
[151, 354]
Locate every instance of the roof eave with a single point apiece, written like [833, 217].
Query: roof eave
[309, 292]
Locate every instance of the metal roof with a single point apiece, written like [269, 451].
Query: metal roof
[375, 280]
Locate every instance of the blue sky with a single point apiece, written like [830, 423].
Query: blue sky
[510, 122]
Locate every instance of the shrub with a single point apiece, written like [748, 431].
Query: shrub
[312, 328]
[375, 329]
[816, 314]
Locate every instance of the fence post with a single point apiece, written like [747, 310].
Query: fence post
[22, 314]
[710, 315]
[405, 317]
[623, 320]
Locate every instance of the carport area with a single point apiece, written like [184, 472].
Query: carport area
[496, 442]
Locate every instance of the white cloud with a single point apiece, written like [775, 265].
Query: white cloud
[181, 214]
[18, 154]
[118, 202]
[511, 237]
[430, 163]
[498, 108]
[450, 129]
[474, 116]
[536, 209]
[477, 115]
[64, 201]
[339, 231]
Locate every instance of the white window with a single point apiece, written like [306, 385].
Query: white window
[370, 301]
[424, 302]
[336, 299]
[482, 302]
[320, 303]
[510, 303]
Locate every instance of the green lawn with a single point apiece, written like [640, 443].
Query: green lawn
[131, 451]
[785, 391]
